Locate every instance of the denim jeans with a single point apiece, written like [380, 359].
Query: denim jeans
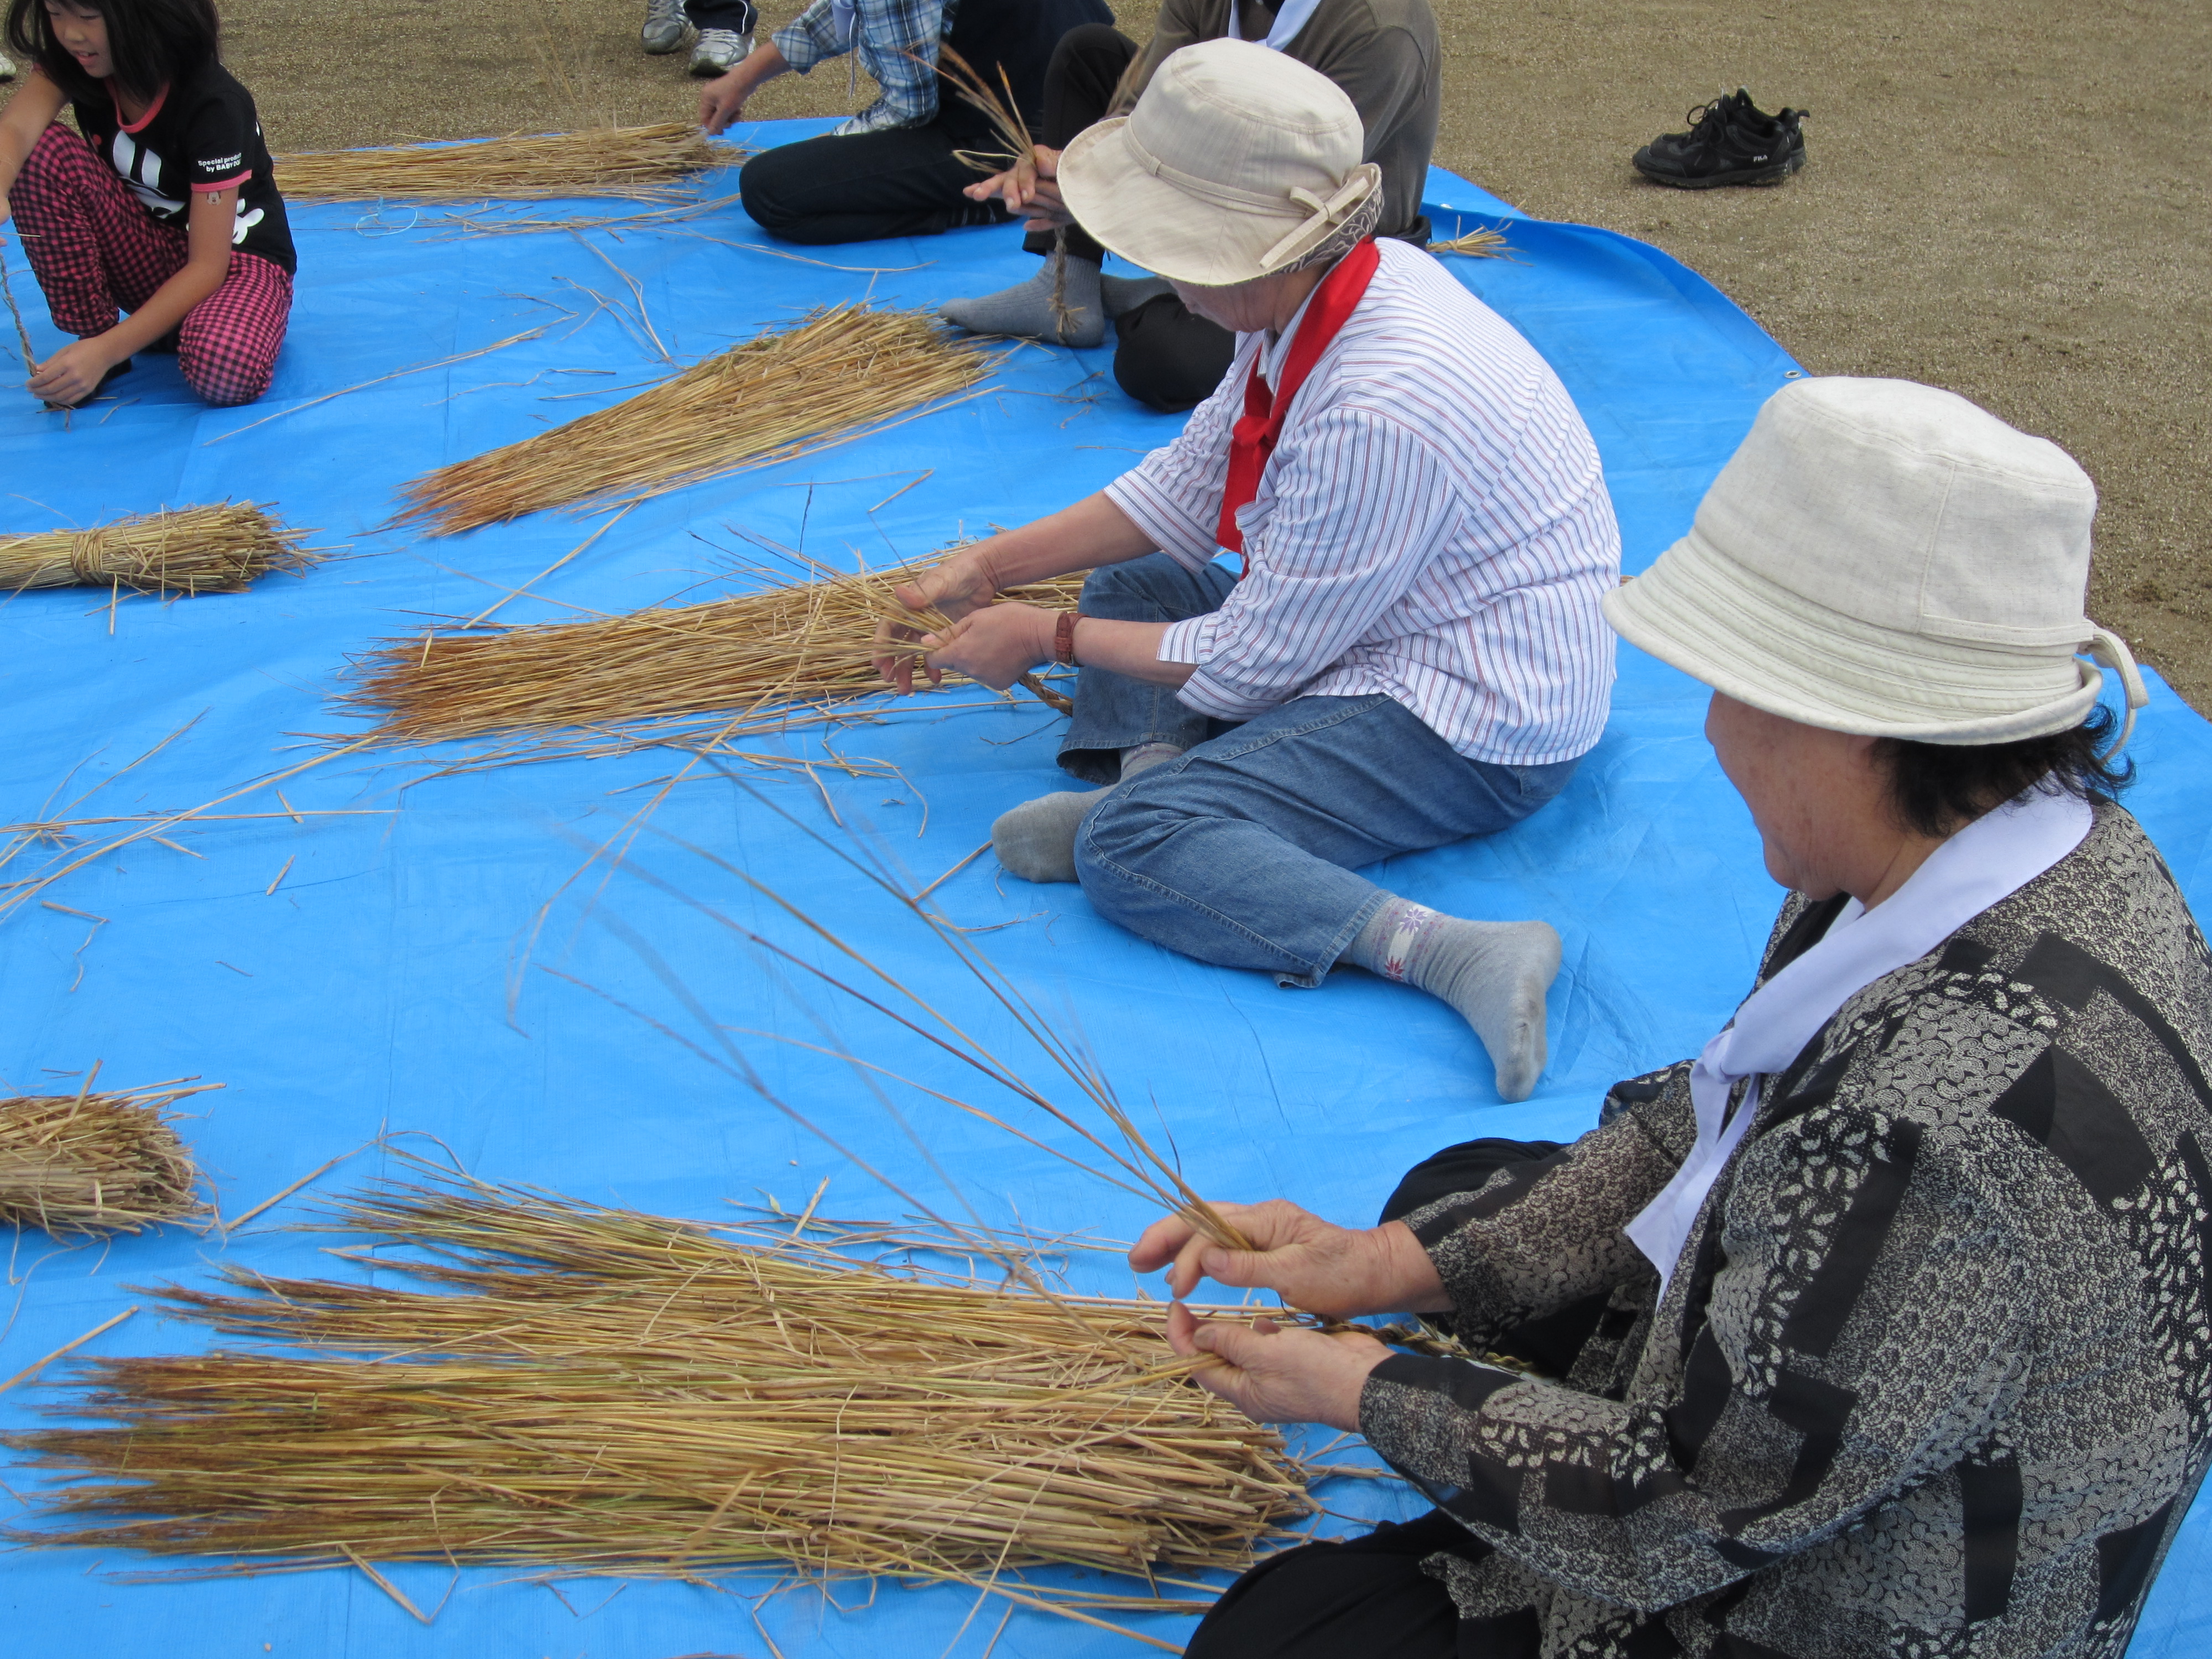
[1241, 852]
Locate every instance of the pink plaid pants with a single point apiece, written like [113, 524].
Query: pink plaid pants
[98, 253]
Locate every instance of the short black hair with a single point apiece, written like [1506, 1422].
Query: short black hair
[150, 42]
[1936, 788]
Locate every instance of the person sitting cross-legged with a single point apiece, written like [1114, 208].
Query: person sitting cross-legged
[1878, 1329]
[1414, 652]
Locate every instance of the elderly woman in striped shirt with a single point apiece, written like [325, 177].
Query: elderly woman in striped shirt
[1413, 652]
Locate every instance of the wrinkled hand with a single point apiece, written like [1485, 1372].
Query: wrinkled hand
[995, 646]
[1277, 1373]
[1030, 190]
[954, 587]
[1338, 1272]
[721, 101]
[72, 375]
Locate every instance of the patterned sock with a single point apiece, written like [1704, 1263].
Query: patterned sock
[1495, 973]
[1036, 840]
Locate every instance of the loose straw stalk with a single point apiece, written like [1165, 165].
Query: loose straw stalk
[600, 1391]
[796, 644]
[192, 549]
[96, 1163]
[645, 164]
[780, 395]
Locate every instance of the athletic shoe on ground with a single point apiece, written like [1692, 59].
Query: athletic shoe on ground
[718, 51]
[666, 29]
[7, 67]
[1730, 142]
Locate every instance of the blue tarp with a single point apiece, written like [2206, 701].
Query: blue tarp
[391, 979]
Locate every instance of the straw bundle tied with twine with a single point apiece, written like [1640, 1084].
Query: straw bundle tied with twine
[793, 645]
[1480, 243]
[645, 164]
[97, 1164]
[598, 1391]
[191, 550]
[828, 379]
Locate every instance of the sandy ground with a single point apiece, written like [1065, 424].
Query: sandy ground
[2003, 197]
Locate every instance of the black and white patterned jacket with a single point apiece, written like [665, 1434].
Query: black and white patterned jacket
[1934, 1376]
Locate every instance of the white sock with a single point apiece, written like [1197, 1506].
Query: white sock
[1036, 840]
[1495, 973]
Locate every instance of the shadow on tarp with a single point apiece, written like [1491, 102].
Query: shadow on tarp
[377, 961]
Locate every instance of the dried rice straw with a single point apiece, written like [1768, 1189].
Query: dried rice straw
[795, 645]
[645, 164]
[189, 550]
[1480, 243]
[604, 1392]
[97, 1164]
[1005, 119]
[832, 377]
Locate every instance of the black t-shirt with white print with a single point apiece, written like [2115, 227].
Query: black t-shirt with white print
[202, 134]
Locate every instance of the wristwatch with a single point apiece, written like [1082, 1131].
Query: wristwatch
[1063, 638]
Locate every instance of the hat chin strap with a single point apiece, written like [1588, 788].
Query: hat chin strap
[2110, 649]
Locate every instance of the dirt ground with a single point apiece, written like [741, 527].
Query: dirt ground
[2003, 197]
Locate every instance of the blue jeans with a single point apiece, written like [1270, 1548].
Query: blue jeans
[1241, 852]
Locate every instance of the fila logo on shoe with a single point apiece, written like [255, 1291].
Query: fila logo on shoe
[1758, 159]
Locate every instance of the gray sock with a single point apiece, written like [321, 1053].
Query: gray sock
[1036, 840]
[1495, 973]
[1026, 310]
[1120, 293]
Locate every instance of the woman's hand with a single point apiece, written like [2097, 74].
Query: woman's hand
[722, 101]
[1030, 190]
[73, 374]
[1338, 1272]
[965, 582]
[1279, 1374]
[995, 646]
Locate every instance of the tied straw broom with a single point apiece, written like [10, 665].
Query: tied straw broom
[831, 377]
[187, 550]
[644, 164]
[93, 1164]
[597, 1391]
[791, 645]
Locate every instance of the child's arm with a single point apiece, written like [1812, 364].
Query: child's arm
[29, 114]
[72, 375]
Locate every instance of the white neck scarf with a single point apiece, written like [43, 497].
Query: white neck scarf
[1288, 22]
[1991, 858]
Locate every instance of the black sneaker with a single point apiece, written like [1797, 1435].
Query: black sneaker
[1730, 142]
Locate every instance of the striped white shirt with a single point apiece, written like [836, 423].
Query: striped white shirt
[1433, 525]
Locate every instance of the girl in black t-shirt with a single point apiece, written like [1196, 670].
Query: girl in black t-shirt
[162, 203]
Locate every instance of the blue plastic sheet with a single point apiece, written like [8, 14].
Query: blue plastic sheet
[395, 978]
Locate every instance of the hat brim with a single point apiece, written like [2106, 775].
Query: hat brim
[1171, 231]
[1698, 610]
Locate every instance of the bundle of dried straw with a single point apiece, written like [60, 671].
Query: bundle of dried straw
[1480, 243]
[94, 1164]
[646, 164]
[600, 1391]
[785, 393]
[792, 644]
[192, 549]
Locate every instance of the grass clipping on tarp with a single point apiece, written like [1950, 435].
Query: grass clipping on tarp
[92, 1164]
[831, 376]
[799, 644]
[600, 1391]
[645, 164]
[191, 550]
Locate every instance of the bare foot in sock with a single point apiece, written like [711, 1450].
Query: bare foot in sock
[1494, 973]
[1026, 310]
[1036, 840]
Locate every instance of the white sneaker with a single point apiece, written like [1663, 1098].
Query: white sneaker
[7, 67]
[666, 29]
[718, 51]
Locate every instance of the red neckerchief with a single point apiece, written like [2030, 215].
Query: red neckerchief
[1253, 440]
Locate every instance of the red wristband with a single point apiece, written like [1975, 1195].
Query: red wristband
[1063, 638]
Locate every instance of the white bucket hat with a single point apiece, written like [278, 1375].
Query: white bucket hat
[1883, 558]
[1236, 162]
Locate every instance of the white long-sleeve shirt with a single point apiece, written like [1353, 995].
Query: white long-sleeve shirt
[1433, 525]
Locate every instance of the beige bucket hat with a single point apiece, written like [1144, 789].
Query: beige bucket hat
[1236, 162]
[1886, 559]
